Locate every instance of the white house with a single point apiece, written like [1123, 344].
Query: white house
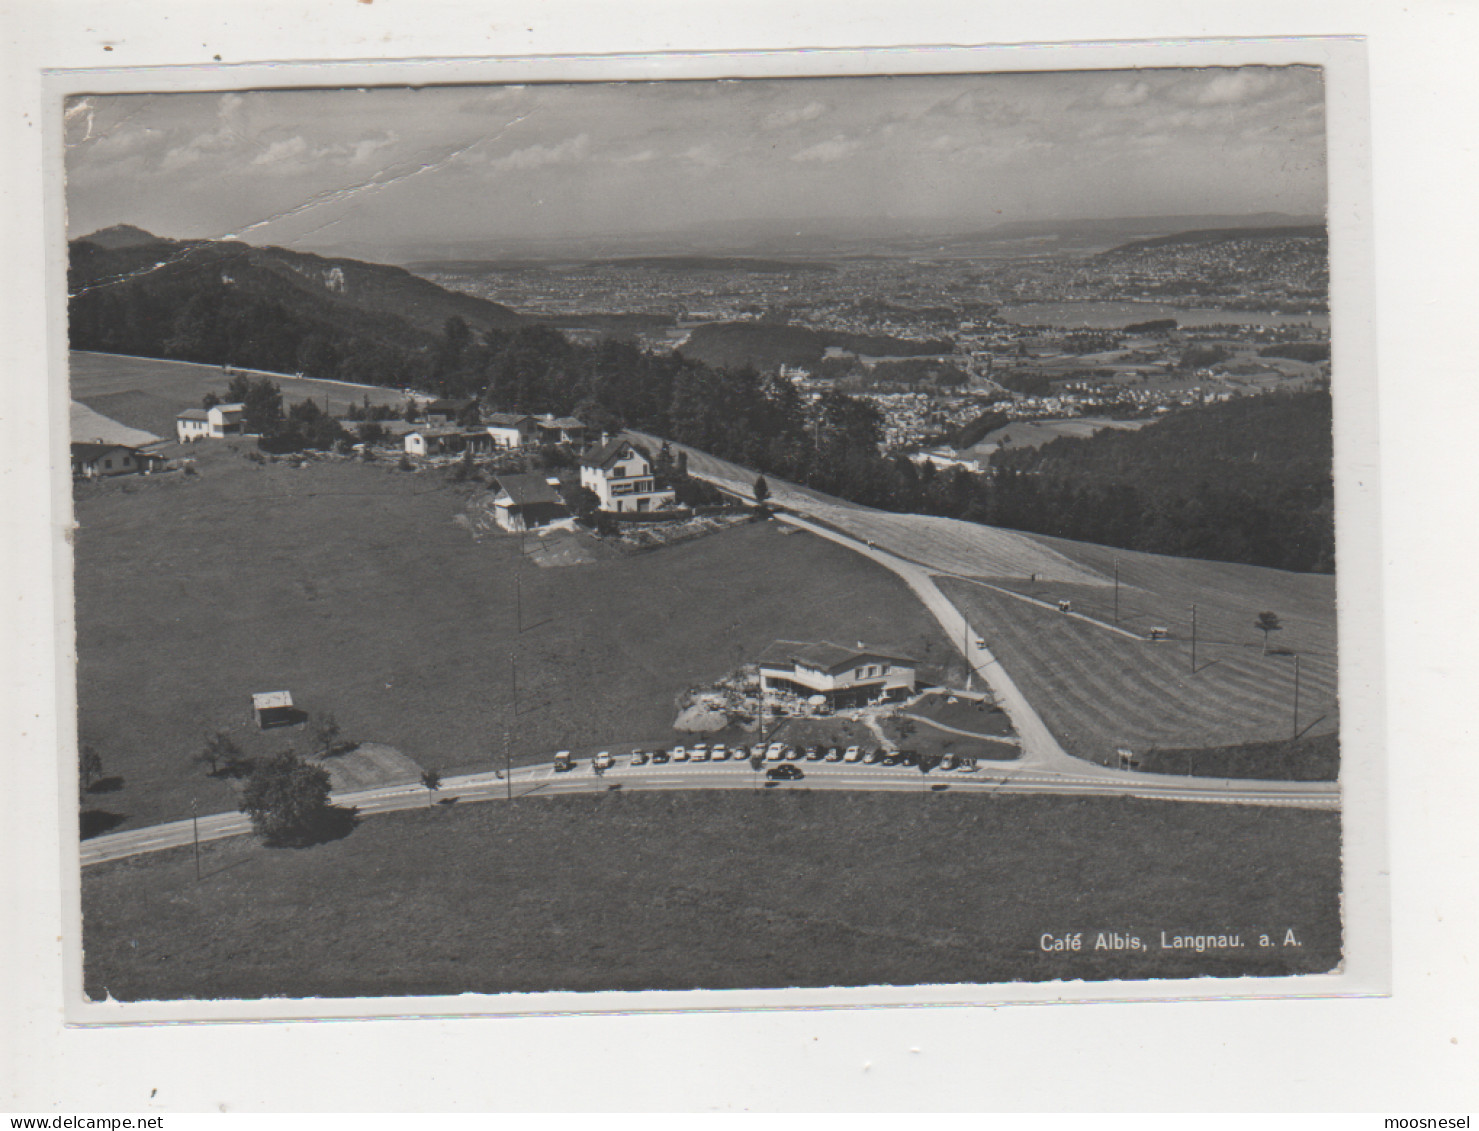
[848, 677]
[212, 423]
[442, 441]
[620, 474]
[510, 430]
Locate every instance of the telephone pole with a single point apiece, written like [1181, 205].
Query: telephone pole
[1193, 640]
[1296, 696]
[195, 830]
[1116, 590]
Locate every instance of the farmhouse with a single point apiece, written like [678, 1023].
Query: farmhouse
[847, 677]
[92, 460]
[620, 474]
[212, 423]
[513, 431]
[527, 502]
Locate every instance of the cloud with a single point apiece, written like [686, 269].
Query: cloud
[833, 149]
[704, 155]
[783, 119]
[571, 150]
[281, 151]
[634, 158]
[1242, 85]
[1123, 94]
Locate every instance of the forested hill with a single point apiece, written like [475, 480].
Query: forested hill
[228, 302]
[1220, 235]
[1247, 480]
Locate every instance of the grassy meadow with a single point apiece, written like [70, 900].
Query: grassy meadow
[719, 890]
[361, 590]
[147, 393]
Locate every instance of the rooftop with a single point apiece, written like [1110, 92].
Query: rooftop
[825, 656]
[528, 490]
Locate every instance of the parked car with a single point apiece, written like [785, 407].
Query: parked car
[758, 751]
[563, 762]
[792, 754]
[966, 766]
[639, 758]
[853, 754]
[700, 753]
[784, 773]
[775, 752]
[834, 755]
[947, 762]
[813, 754]
[680, 754]
[659, 757]
[602, 761]
[871, 758]
[720, 753]
[890, 759]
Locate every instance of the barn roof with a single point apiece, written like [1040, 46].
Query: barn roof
[269, 700]
[508, 419]
[193, 414]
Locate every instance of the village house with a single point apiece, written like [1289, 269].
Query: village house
[846, 677]
[620, 474]
[92, 460]
[447, 441]
[560, 430]
[528, 502]
[214, 423]
[510, 430]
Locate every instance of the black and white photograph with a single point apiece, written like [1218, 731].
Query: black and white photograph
[768, 533]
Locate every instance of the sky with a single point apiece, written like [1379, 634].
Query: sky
[440, 165]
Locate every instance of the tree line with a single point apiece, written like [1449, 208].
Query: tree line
[1260, 493]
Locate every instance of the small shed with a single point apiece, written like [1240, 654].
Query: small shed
[274, 709]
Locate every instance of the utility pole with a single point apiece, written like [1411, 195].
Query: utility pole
[1296, 696]
[1193, 640]
[1116, 590]
[195, 830]
[508, 755]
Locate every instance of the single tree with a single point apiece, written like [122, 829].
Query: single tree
[89, 768]
[286, 798]
[1266, 623]
[762, 490]
[432, 781]
[326, 734]
[219, 752]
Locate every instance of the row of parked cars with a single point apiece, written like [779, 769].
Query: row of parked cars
[774, 752]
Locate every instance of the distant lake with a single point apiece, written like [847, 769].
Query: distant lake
[1114, 315]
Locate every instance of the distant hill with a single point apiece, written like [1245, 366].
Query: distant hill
[1221, 235]
[226, 302]
[123, 236]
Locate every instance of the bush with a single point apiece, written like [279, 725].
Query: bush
[287, 799]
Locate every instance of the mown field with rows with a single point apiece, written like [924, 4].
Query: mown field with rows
[1098, 690]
